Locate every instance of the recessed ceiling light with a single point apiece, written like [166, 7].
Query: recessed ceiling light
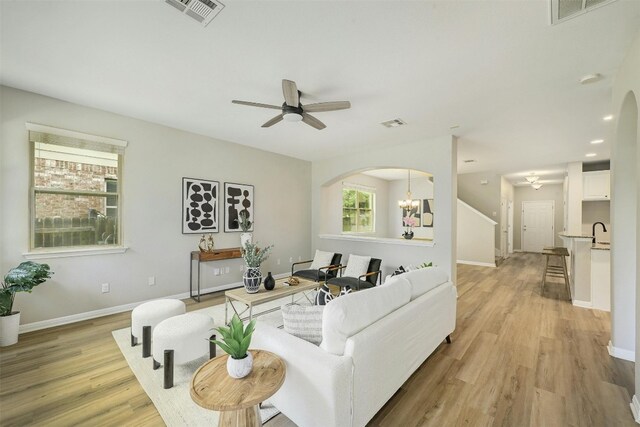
[590, 155]
[597, 141]
[590, 78]
[469, 161]
[608, 118]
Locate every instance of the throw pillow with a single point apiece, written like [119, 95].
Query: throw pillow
[303, 321]
[356, 266]
[321, 259]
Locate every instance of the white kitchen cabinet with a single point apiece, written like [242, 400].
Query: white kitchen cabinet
[595, 185]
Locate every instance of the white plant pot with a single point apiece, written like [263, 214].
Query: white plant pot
[245, 238]
[9, 329]
[240, 368]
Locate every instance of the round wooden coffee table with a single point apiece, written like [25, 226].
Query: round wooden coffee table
[238, 399]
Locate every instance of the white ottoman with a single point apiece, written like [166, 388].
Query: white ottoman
[181, 339]
[150, 314]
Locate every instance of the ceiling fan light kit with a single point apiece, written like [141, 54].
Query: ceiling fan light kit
[294, 111]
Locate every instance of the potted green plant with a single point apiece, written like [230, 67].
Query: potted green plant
[253, 257]
[235, 342]
[22, 278]
[245, 226]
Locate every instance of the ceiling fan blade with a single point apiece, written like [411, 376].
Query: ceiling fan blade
[257, 104]
[312, 121]
[327, 106]
[290, 91]
[273, 121]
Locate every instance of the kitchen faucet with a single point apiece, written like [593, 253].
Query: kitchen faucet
[593, 230]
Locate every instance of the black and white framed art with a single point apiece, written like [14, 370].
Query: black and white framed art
[427, 212]
[200, 210]
[237, 198]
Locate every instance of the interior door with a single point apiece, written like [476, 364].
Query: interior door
[509, 227]
[503, 228]
[537, 225]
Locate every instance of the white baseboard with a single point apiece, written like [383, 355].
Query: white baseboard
[621, 353]
[583, 304]
[481, 264]
[65, 320]
[635, 408]
[517, 250]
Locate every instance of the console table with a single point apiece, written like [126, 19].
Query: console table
[200, 257]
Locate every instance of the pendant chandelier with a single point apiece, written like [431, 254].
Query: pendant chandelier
[408, 203]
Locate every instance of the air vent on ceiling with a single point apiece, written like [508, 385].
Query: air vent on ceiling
[202, 11]
[393, 123]
[561, 10]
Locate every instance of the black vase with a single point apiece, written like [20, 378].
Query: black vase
[408, 235]
[269, 282]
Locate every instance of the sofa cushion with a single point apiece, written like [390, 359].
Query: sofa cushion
[303, 321]
[424, 279]
[321, 259]
[347, 315]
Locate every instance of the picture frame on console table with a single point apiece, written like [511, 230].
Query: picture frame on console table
[200, 206]
[238, 198]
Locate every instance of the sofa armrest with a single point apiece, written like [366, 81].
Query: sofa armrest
[318, 385]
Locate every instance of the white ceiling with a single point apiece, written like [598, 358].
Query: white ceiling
[497, 69]
[391, 174]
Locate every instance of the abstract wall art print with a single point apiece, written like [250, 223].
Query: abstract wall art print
[427, 213]
[237, 198]
[200, 210]
[413, 212]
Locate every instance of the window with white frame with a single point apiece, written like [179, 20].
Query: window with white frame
[76, 183]
[358, 209]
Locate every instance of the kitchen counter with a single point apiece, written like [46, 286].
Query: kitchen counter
[588, 271]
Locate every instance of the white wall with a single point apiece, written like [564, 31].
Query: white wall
[155, 161]
[483, 197]
[625, 212]
[421, 188]
[574, 199]
[331, 215]
[475, 236]
[437, 156]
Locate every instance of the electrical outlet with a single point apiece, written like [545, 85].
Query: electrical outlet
[290, 259]
[216, 271]
[299, 258]
[105, 288]
[226, 270]
[278, 262]
[152, 280]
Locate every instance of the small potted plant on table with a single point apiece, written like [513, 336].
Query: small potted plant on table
[235, 342]
[253, 257]
[22, 278]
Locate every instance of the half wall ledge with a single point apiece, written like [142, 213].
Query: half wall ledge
[384, 240]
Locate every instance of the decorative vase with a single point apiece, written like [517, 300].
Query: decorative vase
[245, 238]
[240, 368]
[408, 235]
[269, 282]
[9, 329]
[252, 278]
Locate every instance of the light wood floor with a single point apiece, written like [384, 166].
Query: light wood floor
[517, 359]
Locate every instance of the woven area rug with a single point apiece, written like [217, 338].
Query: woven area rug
[175, 405]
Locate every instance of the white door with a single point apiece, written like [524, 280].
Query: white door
[503, 228]
[509, 227]
[537, 225]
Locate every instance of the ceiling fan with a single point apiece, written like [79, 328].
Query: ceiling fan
[294, 111]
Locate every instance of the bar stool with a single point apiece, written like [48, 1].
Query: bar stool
[555, 270]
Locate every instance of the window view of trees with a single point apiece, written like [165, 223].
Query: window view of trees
[357, 211]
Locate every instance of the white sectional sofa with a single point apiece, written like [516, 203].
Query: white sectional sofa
[372, 341]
